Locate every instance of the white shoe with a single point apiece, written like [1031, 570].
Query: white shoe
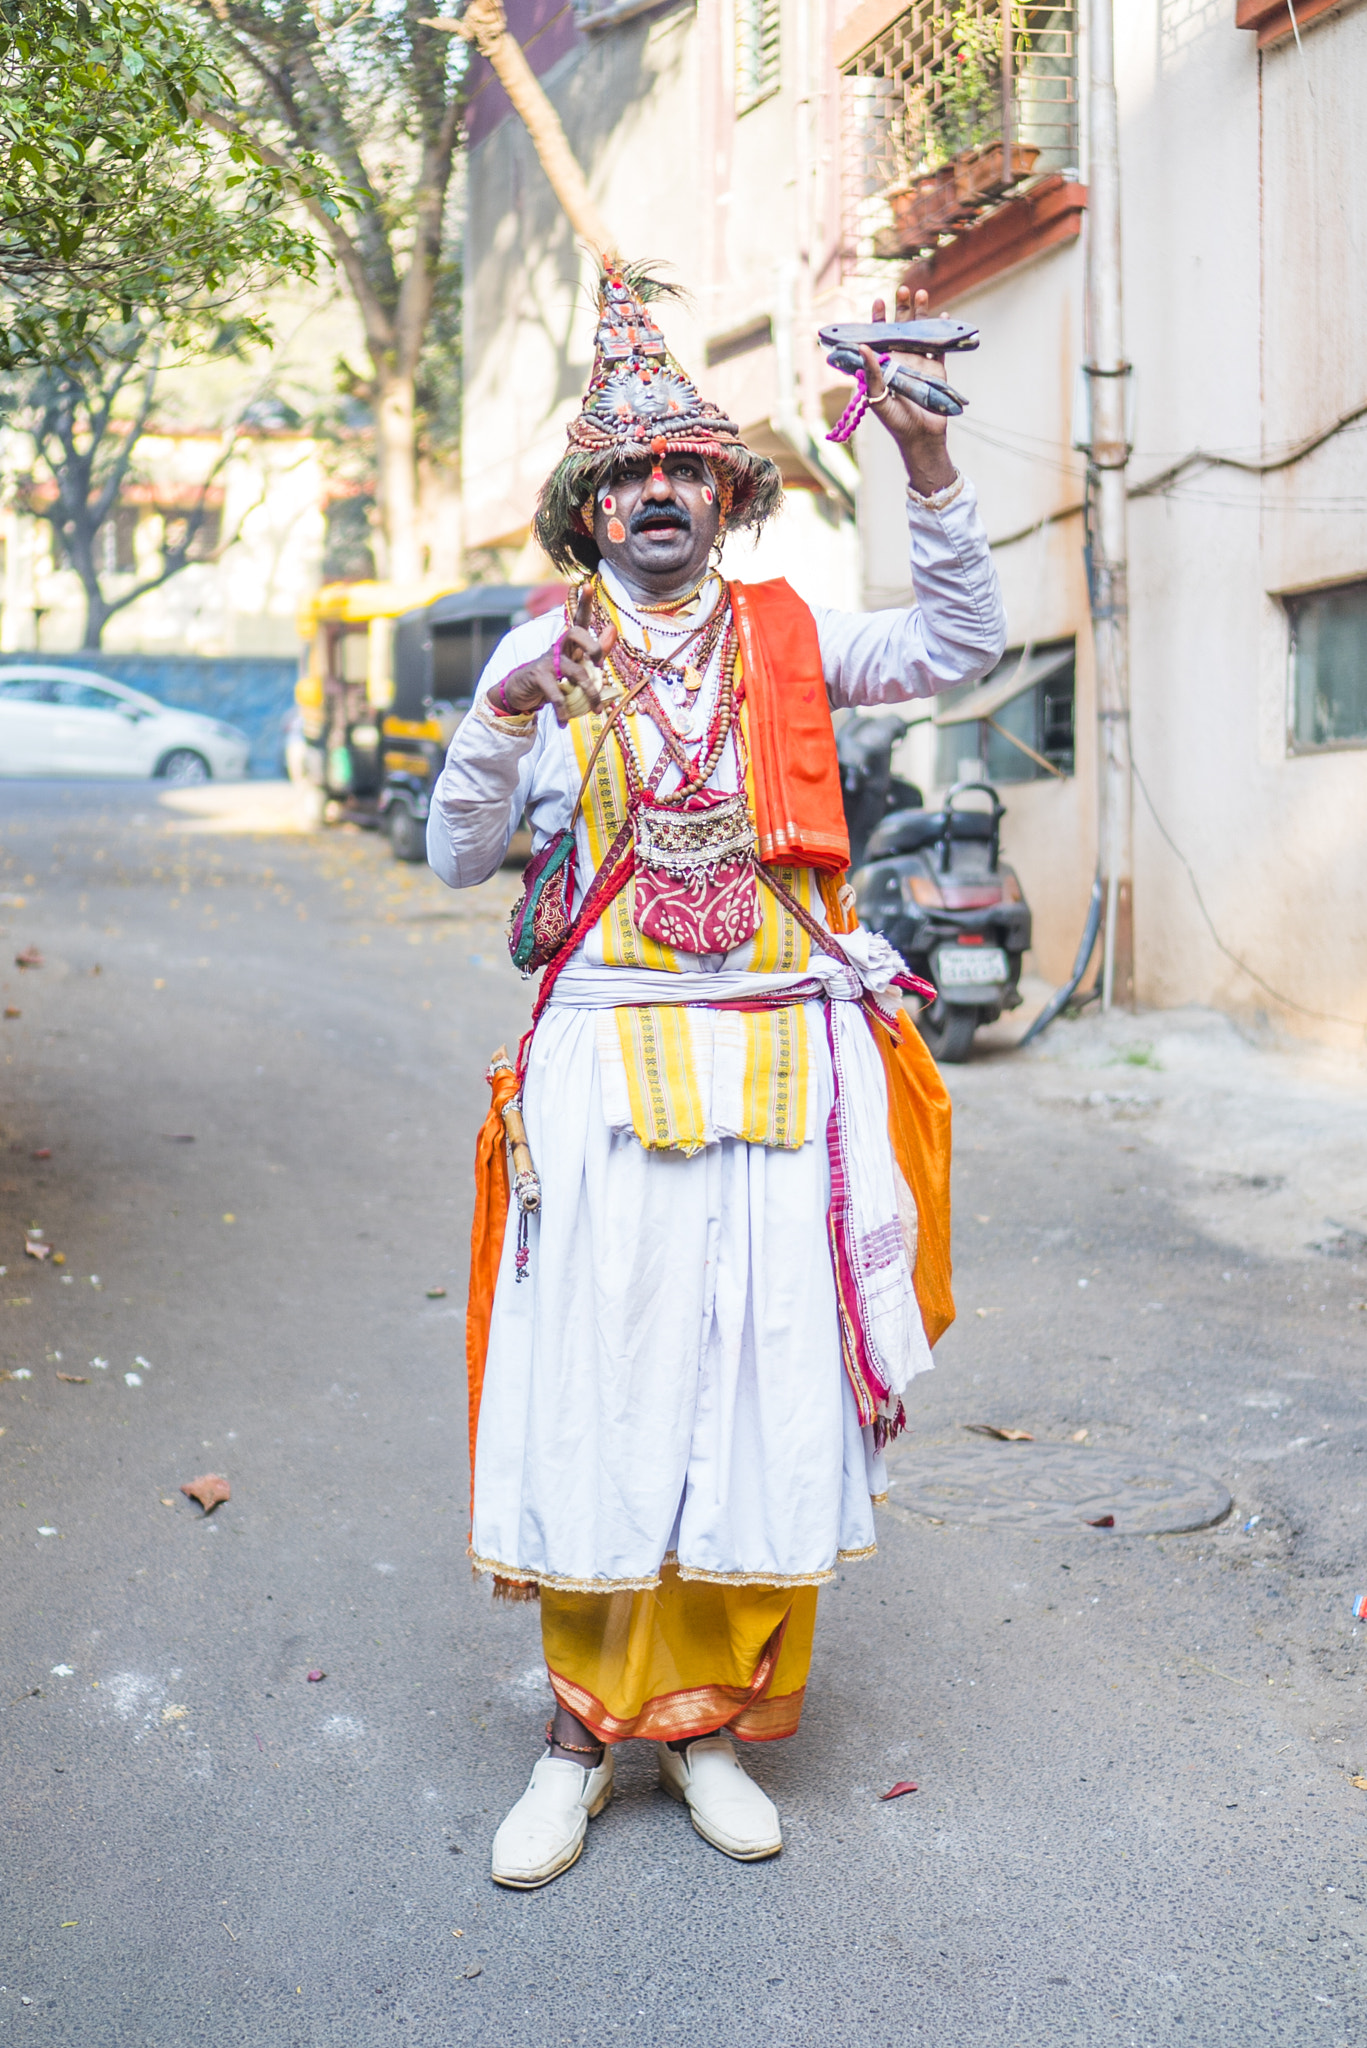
[728, 1809]
[545, 1831]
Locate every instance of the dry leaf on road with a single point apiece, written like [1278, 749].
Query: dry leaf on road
[897, 1791]
[30, 957]
[1003, 1436]
[209, 1489]
[36, 1250]
[74, 1379]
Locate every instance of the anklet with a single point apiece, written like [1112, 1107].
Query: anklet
[575, 1748]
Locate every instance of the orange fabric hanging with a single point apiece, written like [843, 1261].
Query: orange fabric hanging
[486, 1237]
[799, 816]
[919, 1127]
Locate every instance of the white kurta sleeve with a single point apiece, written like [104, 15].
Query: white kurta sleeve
[482, 791]
[954, 633]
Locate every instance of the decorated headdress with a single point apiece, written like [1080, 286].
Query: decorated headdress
[640, 405]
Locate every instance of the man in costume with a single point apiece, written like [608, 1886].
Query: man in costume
[690, 1333]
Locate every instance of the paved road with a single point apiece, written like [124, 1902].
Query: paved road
[255, 1063]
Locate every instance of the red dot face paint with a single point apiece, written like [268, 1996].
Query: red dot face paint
[609, 502]
[707, 494]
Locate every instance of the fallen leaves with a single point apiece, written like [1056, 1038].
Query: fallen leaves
[1102, 1522]
[899, 1790]
[43, 1152]
[316, 1677]
[74, 1379]
[1003, 1436]
[436, 1294]
[36, 1249]
[174, 1713]
[210, 1489]
[1361, 1784]
[10, 1011]
[30, 957]
[1079, 1436]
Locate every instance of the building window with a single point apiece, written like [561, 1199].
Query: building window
[757, 52]
[347, 553]
[928, 107]
[203, 544]
[116, 542]
[1016, 737]
[1329, 667]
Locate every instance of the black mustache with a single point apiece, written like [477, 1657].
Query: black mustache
[660, 515]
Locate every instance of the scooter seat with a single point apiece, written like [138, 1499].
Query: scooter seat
[909, 831]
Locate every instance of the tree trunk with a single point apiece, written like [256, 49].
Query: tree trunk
[397, 465]
[80, 549]
[485, 25]
[95, 620]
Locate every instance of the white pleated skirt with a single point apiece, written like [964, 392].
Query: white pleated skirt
[667, 1379]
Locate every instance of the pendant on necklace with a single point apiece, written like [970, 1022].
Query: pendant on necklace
[692, 681]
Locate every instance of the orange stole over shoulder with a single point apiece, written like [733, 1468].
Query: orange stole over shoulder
[799, 816]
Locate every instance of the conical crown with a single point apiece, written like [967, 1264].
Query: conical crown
[640, 403]
[637, 392]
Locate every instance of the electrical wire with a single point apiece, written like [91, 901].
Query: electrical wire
[1168, 480]
[1325, 1016]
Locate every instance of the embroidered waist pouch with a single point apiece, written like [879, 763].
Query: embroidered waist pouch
[695, 873]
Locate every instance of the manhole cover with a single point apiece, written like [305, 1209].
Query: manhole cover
[1053, 1486]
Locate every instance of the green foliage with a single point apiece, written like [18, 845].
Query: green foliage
[966, 110]
[115, 197]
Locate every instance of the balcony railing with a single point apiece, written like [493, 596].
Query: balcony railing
[949, 111]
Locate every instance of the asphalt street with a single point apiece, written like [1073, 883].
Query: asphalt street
[239, 1099]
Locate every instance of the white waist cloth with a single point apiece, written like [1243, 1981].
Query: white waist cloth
[668, 1376]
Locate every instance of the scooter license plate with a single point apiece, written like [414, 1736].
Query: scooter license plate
[969, 966]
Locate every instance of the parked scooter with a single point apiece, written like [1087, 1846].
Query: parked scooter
[934, 883]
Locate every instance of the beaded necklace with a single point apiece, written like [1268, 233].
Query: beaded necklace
[637, 672]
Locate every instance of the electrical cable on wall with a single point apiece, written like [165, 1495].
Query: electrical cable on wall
[1167, 479]
[1325, 1016]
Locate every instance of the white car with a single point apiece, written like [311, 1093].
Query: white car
[70, 721]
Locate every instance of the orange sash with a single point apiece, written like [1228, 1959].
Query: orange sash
[799, 816]
[919, 1129]
[486, 1241]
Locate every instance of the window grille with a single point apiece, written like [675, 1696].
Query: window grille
[923, 119]
[757, 52]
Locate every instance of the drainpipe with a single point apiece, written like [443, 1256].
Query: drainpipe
[1107, 377]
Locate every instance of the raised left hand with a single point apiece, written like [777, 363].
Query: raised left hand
[921, 436]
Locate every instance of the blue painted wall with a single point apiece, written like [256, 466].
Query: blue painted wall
[254, 692]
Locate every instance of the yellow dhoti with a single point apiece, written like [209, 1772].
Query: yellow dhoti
[686, 1659]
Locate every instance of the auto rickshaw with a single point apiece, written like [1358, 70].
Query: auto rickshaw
[386, 682]
[440, 650]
